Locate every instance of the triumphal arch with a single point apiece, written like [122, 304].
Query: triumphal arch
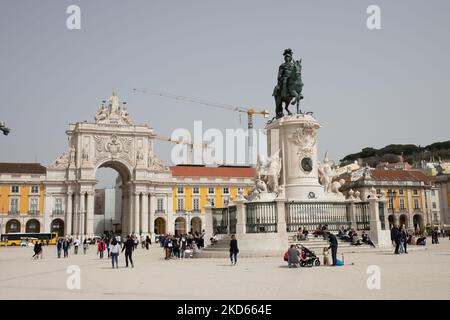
[112, 141]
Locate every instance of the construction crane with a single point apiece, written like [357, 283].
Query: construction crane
[190, 146]
[249, 111]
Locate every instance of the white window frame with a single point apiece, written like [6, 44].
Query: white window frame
[15, 192]
[180, 189]
[226, 188]
[36, 210]
[56, 209]
[402, 203]
[160, 205]
[180, 204]
[18, 205]
[34, 192]
[416, 204]
[194, 189]
[196, 208]
[213, 189]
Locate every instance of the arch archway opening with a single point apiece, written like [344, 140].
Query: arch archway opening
[391, 220]
[403, 221]
[160, 226]
[180, 226]
[196, 225]
[13, 226]
[419, 225]
[110, 213]
[33, 226]
[57, 226]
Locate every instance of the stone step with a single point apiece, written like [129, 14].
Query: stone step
[341, 250]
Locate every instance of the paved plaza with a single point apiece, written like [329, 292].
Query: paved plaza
[422, 274]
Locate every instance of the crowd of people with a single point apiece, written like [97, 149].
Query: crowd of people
[181, 246]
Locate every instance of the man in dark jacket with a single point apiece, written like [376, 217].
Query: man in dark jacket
[128, 246]
[333, 246]
[395, 237]
[233, 250]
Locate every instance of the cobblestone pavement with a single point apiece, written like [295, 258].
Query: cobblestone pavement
[423, 274]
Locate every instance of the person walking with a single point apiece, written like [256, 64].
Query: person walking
[115, 250]
[108, 243]
[128, 246]
[36, 250]
[333, 246]
[148, 242]
[101, 248]
[395, 238]
[233, 250]
[136, 241]
[65, 246]
[59, 247]
[168, 247]
[85, 246]
[404, 238]
[183, 246]
[76, 244]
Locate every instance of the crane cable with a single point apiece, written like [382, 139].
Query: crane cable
[194, 100]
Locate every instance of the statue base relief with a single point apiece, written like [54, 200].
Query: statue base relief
[295, 138]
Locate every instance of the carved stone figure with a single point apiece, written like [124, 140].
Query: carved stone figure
[60, 162]
[155, 164]
[114, 112]
[85, 154]
[72, 155]
[113, 145]
[336, 185]
[326, 174]
[268, 171]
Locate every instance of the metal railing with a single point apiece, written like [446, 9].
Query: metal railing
[58, 211]
[220, 220]
[362, 215]
[309, 215]
[261, 217]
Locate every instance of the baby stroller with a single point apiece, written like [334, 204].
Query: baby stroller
[309, 258]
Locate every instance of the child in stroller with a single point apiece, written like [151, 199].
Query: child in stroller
[308, 257]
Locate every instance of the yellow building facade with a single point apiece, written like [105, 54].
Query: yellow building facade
[22, 192]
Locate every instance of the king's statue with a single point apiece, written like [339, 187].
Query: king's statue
[289, 86]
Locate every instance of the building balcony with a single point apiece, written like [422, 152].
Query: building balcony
[14, 212]
[181, 211]
[160, 211]
[58, 211]
[33, 212]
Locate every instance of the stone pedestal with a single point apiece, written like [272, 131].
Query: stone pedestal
[295, 138]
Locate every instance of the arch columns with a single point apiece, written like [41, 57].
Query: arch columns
[137, 212]
[69, 207]
[151, 214]
[89, 231]
[144, 214]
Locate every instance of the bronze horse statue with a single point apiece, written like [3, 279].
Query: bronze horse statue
[292, 94]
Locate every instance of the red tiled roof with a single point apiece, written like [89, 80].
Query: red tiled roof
[202, 171]
[400, 175]
[32, 168]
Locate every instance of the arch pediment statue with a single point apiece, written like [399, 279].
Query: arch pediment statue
[114, 112]
[61, 162]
